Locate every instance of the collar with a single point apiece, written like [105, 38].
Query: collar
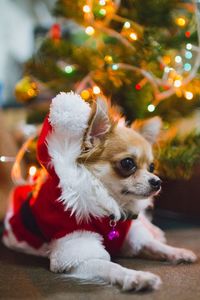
[125, 216]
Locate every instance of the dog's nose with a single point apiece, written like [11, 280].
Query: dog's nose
[155, 184]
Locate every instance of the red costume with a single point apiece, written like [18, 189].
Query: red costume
[40, 219]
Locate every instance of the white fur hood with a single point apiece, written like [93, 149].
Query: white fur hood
[82, 193]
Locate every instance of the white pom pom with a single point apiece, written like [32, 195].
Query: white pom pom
[68, 111]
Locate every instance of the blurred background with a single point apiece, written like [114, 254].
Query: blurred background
[143, 55]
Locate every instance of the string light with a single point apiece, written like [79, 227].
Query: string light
[133, 36]
[127, 25]
[177, 83]
[151, 107]
[86, 9]
[4, 159]
[96, 90]
[178, 59]
[102, 2]
[181, 21]
[188, 95]
[188, 54]
[69, 69]
[89, 30]
[32, 171]
[189, 46]
[187, 67]
[115, 67]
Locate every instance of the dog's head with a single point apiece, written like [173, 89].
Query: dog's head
[121, 157]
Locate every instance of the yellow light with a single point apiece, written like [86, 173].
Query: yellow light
[85, 94]
[108, 59]
[181, 21]
[151, 107]
[89, 30]
[127, 24]
[133, 36]
[96, 90]
[188, 95]
[86, 9]
[32, 171]
[177, 83]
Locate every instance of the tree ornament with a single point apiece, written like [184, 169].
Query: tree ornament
[26, 89]
[85, 94]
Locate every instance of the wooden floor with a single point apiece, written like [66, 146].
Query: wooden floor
[27, 277]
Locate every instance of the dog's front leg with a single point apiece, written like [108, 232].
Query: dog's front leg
[114, 274]
[141, 242]
[82, 255]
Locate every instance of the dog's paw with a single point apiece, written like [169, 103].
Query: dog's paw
[182, 255]
[139, 281]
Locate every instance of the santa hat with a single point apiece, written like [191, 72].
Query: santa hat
[63, 130]
[69, 113]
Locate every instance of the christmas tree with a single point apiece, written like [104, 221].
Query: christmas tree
[142, 55]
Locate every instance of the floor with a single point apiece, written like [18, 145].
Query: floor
[27, 277]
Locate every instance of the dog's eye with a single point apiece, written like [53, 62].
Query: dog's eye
[127, 166]
[151, 167]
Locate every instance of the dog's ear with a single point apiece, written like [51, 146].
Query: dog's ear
[99, 123]
[149, 128]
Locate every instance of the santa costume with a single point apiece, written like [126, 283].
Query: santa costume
[71, 198]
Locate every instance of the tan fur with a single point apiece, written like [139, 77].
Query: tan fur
[121, 142]
[102, 155]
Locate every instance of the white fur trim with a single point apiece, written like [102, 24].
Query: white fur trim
[81, 191]
[10, 241]
[68, 111]
[74, 249]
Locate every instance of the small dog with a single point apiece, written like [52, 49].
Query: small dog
[90, 207]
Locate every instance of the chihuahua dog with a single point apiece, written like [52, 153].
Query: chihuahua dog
[90, 207]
